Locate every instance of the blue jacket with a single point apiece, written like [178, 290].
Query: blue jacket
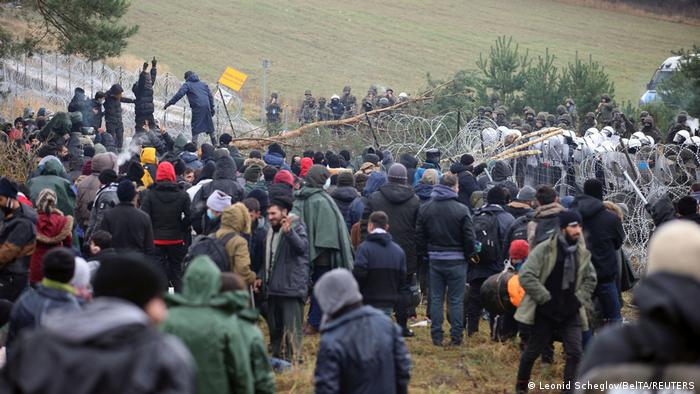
[362, 351]
[201, 101]
[34, 304]
[191, 160]
[276, 160]
[380, 270]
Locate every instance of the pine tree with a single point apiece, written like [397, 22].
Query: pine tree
[541, 89]
[585, 82]
[682, 90]
[505, 69]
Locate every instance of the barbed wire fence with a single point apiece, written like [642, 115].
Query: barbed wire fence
[50, 79]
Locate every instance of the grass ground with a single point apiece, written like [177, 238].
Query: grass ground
[322, 45]
[478, 366]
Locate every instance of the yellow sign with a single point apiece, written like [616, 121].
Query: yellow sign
[233, 79]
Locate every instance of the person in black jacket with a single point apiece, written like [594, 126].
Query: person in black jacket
[96, 113]
[169, 208]
[130, 227]
[225, 181]
[80, 103]
[400, 203]
[143, 91]
[444, 234]
[668, 327]
[604, 236]
[344, 194]
[286, 276]
[113, 113]
[467, 180]
[380, 266]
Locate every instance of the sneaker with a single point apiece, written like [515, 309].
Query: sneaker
[455, 343]
[407, 333]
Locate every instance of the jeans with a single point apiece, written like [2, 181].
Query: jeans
[541, 336]
[447, 277]
[609, 300]
[170, 258]
[315, 313]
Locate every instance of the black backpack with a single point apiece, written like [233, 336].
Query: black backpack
[486, 232]
[212, 247]
[519, 229]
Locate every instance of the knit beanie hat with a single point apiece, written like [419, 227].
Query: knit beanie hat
[569, 217]
[7, 188]
[304, 166]
[526, 193]
[497, 195]
[218, 201]
[345, 179]
[335, 290]
[46, 202]
[59, 264]
[397, 173]
[88, 151]
[593, 188]
[128, 277]
[372, 158]
[134, 171]
[284, 176]
[99, 149]
[283, 201]
[252, 173]
[262, 197]
[467, 159]
[687, 205]
[317, 175]
[107, 176]
[126, 191]
[276, 148]
[675, 249]
[519, 249]
[165, 172]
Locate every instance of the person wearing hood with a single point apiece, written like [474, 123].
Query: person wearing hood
[357, 207]
[89, 186]
[445, 239]
[329, 241]
[558, 279]
[253, 181]
[106, 140]
[649, 128]
[120, 322]
[143, 92]
[304, 166]
[203, 317]
[361, 349]
[411, 163]
[275, 156]
[345, 194]
[130, 227]
[545, 218]
[113, 113]
[105, 199]
[400, 203]
[189, 156]
[169, 208]
[604, 237]
[224, 179]
[53, 176]
[236, 220]
[53, 229]
[424, 188]
[500, 176]
[467, 181]
[666, 331]
[53, 294]
[17, 241]
[80, 103]
[149, 162]
[201, 102]
[286, 273]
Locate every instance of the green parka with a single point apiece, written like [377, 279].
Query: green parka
[53, 176]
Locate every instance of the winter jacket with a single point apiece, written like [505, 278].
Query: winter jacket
[201, 101]
[17, 240]
[290, 268]
[191, 160]
[544, 223]
[130, 228]
[53, 176]
[535, 271]
[105, 199]
[236, 219]
[423, 191]
[276, 160]
[95, 116]
[518, 209]
[500, 173]
[52, 230]
[107, 140]
[401, 204]
[362, 351]
[36, 303]
[113, 112]
[169, 209]
[380, 270]
[143, 91]
[410, 163]
[89, 186]
[603, 234]
[484, 269]
[141, 359]
[329, 241]
[204, 319]
[224, 180]
[343, 197]
[444, 225]
[467, 183]
[148, 138]
[80, 103]
[665, 333]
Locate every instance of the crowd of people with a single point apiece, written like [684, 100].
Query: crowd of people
[152, 273]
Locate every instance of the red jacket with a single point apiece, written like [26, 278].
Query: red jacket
[52, 230]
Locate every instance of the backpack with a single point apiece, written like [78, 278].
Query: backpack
[519, 229]
[486, 232]
[212, 247]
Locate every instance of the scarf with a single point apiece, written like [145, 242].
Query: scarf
[569, 275]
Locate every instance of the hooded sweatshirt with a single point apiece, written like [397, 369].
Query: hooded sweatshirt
[236, 219]
[53, 176]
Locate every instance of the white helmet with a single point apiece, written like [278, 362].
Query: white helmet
[632, 143]
[591, 131]
[608, 131]
[638, 135]
[335, 96]
[403, 95]
[682, 136]
[694, 141]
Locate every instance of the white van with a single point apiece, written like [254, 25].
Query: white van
[663, 72]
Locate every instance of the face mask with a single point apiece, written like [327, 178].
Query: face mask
[327, 184]
[211, 215]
